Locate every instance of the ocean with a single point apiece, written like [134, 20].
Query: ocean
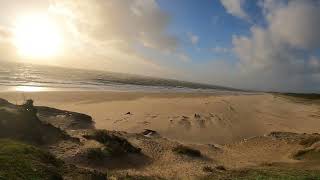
[29, 77]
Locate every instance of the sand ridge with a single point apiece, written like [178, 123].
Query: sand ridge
[187, 117]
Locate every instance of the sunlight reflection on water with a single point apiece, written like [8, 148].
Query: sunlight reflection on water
[29, 89]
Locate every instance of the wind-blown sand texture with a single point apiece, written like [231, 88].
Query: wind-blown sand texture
[186, 117]
[189, 135]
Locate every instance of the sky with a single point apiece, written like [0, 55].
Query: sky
[271, 45]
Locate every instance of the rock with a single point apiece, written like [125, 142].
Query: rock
[149, 133]
[214, 147]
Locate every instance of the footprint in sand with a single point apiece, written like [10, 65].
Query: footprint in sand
[218, 120]
[120, 120]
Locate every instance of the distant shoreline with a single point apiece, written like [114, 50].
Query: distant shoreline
[57, 78]
[123, 88]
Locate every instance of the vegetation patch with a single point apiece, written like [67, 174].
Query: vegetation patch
[98, 154]
[308, 96]
[304, 139]
[309, 141]
[21, 161]
[134, 177]
[184, 150]
[22, 123]
[311, 154]
[304, 98]
[264, 174]
[114, 144]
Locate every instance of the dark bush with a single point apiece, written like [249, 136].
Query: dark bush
[97, 154]
[184, 150]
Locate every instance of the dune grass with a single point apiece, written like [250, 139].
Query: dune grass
[22, 161]
[22, 123]
[127, 177]
[310, 154]
[309, 141]
[265, 174]
[309, 96]
[98, 154]
[114, 144]
[303, 98]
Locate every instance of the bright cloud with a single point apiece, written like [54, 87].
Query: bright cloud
[104, 34]
[281, 51]
[140, 37]
[234, 7]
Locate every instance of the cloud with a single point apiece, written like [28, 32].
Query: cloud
[108, 35]
[5, 33]
[234, 7]
[194, 39]
[133, 21]
[113, 35]
[297, 24]
[281, 52]
[183, 57]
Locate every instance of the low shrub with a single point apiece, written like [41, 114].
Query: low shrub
[97, 154]
[184, 150]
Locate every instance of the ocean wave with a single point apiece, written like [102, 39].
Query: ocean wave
[19, 74]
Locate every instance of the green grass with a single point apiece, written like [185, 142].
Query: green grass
[265, 174]
[23, 124]
[26, 162]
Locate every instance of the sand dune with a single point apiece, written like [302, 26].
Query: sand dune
[196, 135]
[186, 117]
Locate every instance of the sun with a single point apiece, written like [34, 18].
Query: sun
[37, 36]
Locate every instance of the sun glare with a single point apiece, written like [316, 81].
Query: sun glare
[29, 89]
[37, 36]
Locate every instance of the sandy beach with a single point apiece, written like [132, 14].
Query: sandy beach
[185, 117]
[189, 136]
[160, 90]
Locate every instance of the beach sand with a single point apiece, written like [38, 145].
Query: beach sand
[232, 131]
[198, 118]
